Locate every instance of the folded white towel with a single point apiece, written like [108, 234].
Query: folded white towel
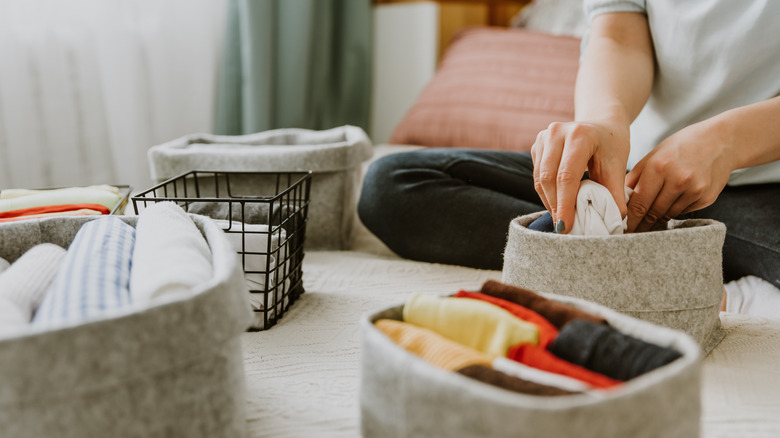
[251, 241]
[74, 195]
[3, 265]
[516, 369]
[94, 277]
[18, 193]
[596, 212]
[171, 258]
[26, 282]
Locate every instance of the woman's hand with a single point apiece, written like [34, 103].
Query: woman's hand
[613, 84]
[686, 172]
[564, 151]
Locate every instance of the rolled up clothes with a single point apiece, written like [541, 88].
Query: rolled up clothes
[559, 314]
[525, 372]
[25, 283]
[94, 278]
[171, 257]
[490, 376]
[538, 357]
[547, 331]
[431, 346]
[606, 351]
[473, 323]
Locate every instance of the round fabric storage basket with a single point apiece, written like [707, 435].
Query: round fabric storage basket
[173, 370]
[334, 156]
[404, 396]
[672, 277]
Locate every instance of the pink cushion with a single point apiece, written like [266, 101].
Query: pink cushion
[496, 88]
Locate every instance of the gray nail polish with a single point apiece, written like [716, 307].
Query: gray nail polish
[560, 227]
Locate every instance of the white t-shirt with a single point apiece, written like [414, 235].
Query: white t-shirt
[711, 56]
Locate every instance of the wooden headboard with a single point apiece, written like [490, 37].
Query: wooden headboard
[457, 14]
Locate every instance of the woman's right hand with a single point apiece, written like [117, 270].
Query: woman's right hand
[565, 150]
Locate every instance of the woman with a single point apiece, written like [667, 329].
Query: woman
[682, 94]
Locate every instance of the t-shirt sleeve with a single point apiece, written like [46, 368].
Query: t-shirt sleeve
[598, 7]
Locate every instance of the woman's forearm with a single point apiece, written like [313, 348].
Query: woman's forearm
[752, 133]
[616, 73]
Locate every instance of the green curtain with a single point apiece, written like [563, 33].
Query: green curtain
[295, 64]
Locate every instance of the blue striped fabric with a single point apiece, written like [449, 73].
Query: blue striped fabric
[94, 276]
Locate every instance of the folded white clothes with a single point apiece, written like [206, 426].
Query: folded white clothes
[25, 283]
[596, 213]
[258, 305]
[259, 247]
[3, 264]
[259, 259]
[171, 257]
[93, 280]
[19, 199]
[18, 193]
[248, 212]
[752, 295]
[519, 370]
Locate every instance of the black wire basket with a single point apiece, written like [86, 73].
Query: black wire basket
[264, 216]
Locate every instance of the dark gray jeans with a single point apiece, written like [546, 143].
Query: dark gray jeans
[454, 206]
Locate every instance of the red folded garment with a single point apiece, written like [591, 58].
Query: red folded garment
[547, 331]
[537, 357]
[52, 209]
[557, 313]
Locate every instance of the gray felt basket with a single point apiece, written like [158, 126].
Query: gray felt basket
[672, 277]
[402, 395]
[174, 370]
[334, 156]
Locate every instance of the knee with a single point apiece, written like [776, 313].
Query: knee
[379, 191]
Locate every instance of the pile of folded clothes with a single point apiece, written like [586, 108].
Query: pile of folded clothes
[258, 232]
[109, 268]
[518, 340]
[19, 204]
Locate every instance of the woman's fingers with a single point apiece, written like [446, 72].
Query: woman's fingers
[573, 162]
[536, 156]
[550, 160]
[561, 155]
[644, 197]
[659, 212]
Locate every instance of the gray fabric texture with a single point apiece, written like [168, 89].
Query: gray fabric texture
[173, 370]
[334, 156]
[403, 396]
[671, 277]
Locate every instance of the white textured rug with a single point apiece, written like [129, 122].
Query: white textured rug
[302, 375]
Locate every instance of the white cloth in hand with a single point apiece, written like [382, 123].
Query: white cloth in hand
[596, 213]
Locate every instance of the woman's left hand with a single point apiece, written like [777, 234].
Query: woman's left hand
[686, 172]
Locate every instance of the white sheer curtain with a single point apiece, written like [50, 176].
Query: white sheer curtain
[87, 86]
